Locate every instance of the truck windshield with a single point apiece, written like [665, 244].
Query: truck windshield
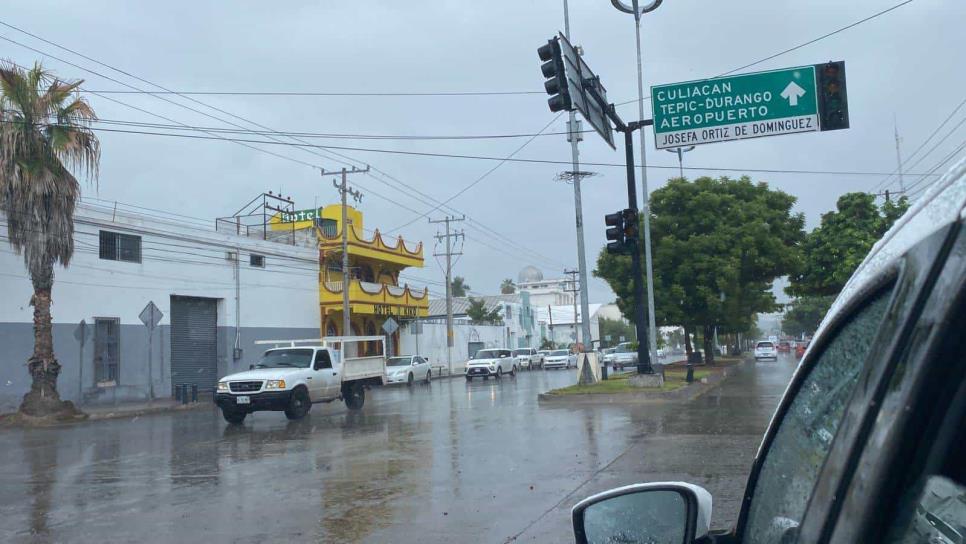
[398, 361]
[285, 358]
[518, 352]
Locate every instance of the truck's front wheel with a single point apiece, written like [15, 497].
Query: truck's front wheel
[299, 404]
[235, 417]
[355, 396]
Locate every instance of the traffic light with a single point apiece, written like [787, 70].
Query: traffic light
[622, 231]
[615, 232]
[833, 106]
[554, 70]
[631, 228]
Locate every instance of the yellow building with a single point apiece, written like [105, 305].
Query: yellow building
[375, 292]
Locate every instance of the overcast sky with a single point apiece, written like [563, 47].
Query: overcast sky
[907, 64]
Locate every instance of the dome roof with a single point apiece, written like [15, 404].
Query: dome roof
[529, 274]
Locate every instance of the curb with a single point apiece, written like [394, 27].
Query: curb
[685, 394]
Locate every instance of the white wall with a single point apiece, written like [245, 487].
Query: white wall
[177, 259]
[432, 341]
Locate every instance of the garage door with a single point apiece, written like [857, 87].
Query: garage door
[194, 348]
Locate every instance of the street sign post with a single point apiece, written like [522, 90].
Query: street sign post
[150, 316]
[390, 327]
[81, 333]
[771, 103]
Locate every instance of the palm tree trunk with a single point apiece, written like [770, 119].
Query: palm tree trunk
[43, 398]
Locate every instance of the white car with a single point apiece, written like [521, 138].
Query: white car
[559, 358]
[766, 350]
[528, 358]
[408, 369]
[491, 362]
[622, 356]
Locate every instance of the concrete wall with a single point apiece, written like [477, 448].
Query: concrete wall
[277, 301]
[432, 341]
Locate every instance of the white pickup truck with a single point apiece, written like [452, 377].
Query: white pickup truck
[295, 374]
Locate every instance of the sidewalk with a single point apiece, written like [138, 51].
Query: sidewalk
[110, 411]
[135, 409]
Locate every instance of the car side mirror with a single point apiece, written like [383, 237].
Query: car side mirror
[661, 513]
[251, 367]
[414, 363]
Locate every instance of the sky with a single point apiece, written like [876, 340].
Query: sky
[903, 67]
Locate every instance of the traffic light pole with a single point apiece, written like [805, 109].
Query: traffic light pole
[640, 319]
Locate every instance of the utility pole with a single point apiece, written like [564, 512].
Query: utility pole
[450, 237]
[573, 290]
[638, 11]
[895, 125]
[573, 136]
[345, 190]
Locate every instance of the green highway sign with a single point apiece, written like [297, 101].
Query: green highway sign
[737, 107]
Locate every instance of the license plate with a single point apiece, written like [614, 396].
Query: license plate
[243, 400]
[478, 371]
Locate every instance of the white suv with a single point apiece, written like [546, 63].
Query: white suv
[528, 358]
[766, 350]
[491, 362]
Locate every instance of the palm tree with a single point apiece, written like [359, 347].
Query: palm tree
[44, 133]
[507, 287]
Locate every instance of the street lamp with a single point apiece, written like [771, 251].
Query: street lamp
[680, 152]
[636, 9]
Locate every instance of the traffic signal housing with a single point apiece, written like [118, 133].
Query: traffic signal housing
[615, 232]
[622, 231]
[833, 104]
[555, 72]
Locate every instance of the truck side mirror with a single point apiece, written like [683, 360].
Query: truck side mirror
[662, 513]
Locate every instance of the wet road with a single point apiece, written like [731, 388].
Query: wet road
[448, 462]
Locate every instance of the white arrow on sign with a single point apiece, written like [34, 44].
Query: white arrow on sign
[792, 93]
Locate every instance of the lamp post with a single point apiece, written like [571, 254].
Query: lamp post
[637, 10]
[680, 152]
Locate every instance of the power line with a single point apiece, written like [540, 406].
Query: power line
[318, 93]
[794, 48]
[499, 159]
[326, 135]
[197, 111]
[923, 144]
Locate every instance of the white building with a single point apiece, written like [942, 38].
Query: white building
[560, 324]
[218, 292]
[544, 292]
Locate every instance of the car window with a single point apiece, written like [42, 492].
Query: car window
[765, 344]
[322, 360]
[805, 434]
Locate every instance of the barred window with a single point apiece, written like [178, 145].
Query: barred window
[115, 246]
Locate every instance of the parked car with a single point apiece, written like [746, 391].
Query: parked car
[766, 350]
[624, 355]
[528, 358]
[408, 369]
[491, 362]
[560, 358]
[868, 442]
[291, 378]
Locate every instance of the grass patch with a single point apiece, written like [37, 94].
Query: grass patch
[618, 383]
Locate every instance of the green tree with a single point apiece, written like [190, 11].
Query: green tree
[616, 329]
[44, 135]
[804, 314]
[718, 244]
[507, 287]
[478, 313]
[834, 249]
[459, 286]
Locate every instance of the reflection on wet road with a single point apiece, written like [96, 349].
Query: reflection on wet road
[448, 462]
